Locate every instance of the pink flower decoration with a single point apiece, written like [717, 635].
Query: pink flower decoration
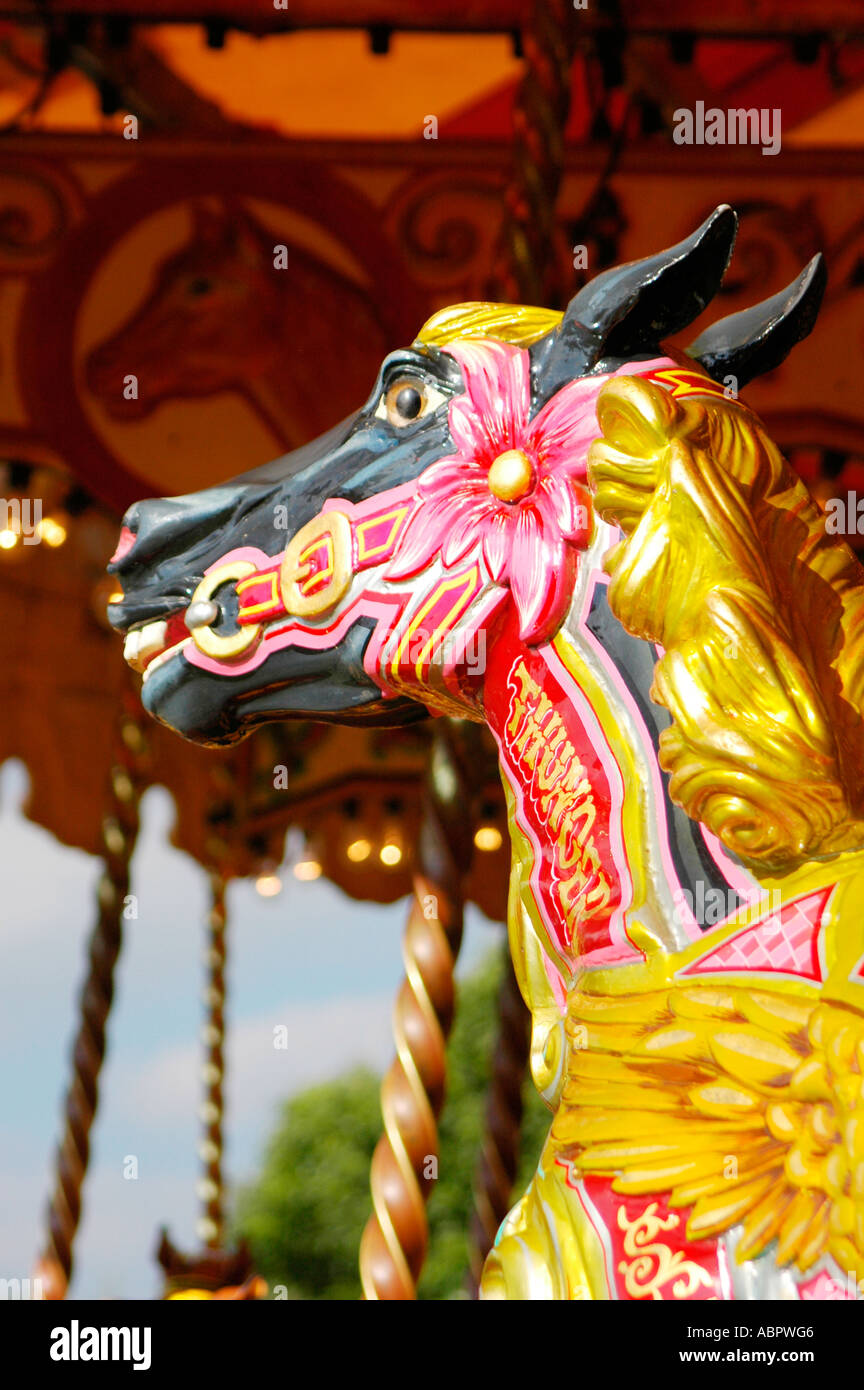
[531, 543]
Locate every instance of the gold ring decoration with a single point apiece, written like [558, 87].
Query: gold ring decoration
[316, 569]
[206, 640]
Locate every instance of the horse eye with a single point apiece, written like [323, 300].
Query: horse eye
[200, 285]
[405, 401]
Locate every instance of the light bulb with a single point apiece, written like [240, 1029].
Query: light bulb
[307, 870]
[488, 837]
[51, 531]
[268, 885]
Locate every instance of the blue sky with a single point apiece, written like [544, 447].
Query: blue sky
[321, 964]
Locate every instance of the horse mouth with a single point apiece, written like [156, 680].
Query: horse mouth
[157, 630]
[152, 644]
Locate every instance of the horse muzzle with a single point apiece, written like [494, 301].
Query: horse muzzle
[307, 580]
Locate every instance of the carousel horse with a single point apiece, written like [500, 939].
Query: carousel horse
[674, 676]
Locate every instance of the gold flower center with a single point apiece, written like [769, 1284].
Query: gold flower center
[511, 475]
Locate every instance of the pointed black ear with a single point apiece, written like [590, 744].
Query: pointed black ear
[630, 308]
[758, 339]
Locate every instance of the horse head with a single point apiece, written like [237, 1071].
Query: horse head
[558, 525]
[220, 316]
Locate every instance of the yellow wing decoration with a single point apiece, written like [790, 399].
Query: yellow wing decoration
[747, 1106]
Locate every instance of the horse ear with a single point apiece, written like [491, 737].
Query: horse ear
[209, 224]
[756, 340]
[244, 234]
[629, 309]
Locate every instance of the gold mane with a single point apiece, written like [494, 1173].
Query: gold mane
[519, 324]
[726, 564]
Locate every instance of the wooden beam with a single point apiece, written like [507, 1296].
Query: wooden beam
[745, 18]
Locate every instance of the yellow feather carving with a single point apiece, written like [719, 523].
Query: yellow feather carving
[746, 1107]
[716, 1213]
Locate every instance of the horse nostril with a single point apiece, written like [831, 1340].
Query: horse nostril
[124, 544]
[162, 525]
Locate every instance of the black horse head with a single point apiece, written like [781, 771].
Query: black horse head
[356, 578]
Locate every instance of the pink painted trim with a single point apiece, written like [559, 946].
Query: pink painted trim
[737, 876]
[816, 975]
[556, 984]
[724, 1273]
[656, 364]
[379, 501]
[251, 553]
[276, 638]
[310, 639]
[479, 612]
[373, 664]
[690, 924]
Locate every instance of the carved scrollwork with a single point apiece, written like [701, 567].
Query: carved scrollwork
[35, 212]
[446, 228]
[651, 1265]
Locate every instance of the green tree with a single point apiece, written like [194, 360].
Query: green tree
[304, 1216]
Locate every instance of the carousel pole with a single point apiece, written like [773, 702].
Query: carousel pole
[210, 1188]
[119, 833]
[215, 1270]
[404, 1165]
[526, 268]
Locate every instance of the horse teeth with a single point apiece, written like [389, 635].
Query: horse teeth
[202, 613]
[143, 643]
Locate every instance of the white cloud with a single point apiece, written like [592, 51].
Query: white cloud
[323, 1040]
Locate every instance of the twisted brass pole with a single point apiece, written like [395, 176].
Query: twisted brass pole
[404, 1165]
[210, 1187]
[499, 1157]
[214, 1271]
[119, 833]
[525, 270]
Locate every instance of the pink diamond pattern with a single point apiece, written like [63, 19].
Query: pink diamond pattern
[785, 943]
[823, 1287]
